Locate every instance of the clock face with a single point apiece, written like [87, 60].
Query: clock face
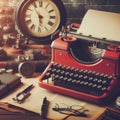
[39, 18]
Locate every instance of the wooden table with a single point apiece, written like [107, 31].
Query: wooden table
[7, 115]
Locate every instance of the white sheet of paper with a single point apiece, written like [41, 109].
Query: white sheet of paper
[101, 24]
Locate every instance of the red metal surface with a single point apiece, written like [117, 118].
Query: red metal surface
[109, 64]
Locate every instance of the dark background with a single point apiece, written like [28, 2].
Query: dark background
[77, 8]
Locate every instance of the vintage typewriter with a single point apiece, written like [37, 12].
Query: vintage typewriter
[85, 61]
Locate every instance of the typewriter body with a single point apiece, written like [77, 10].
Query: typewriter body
[83, 66]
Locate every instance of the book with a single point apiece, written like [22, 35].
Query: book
[8, 82]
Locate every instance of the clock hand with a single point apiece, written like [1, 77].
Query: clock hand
[39, 16]
[40, 21]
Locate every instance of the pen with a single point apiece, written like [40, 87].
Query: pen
[27, 89]
[44, 108]
[21, 96]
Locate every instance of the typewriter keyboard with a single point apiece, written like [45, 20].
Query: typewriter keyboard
[80, 80]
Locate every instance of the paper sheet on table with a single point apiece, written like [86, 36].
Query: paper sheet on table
[101, 24]
[34, 101]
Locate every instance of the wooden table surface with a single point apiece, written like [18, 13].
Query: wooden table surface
[7, 115]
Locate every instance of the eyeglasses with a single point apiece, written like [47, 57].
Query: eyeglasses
[73, 110]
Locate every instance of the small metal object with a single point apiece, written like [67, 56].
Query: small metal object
[117, 102]
[26, 69]
[21, 96]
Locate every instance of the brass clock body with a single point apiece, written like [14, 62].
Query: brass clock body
[39, 19]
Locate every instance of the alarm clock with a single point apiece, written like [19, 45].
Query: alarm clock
[39, 19]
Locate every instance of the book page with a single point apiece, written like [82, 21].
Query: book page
[101, 24]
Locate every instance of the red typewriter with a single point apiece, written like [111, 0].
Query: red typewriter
[85, 62]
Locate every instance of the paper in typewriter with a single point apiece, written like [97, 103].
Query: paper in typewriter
[101, 24]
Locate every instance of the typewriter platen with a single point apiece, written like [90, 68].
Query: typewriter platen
[83, 66]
